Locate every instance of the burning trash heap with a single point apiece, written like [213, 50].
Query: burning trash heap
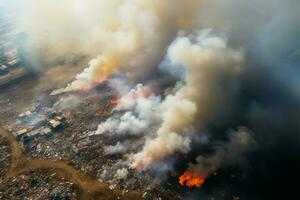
[201, 90]
[166, 122]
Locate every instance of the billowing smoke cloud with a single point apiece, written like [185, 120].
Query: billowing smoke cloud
[211, 71]
[57, 29]
[130, 35]
[240, 142]
[128, 123]
[142, 115]
[250, 78]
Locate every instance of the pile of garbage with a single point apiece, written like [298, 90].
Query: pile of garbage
[4, 156]
[38, 185]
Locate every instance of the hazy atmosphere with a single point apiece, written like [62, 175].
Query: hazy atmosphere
[150, 99]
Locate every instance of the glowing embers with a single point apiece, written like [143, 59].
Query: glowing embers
[143, 93]
[95, 83]
[139, 92]
[191, 179]
[115, 101]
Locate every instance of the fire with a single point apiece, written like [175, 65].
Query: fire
[101, 112]
[143, 93]
[138, 166]
[97, 81]
[191, 179]
[115, 101]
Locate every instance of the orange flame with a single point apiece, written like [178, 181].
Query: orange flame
[139, 94]
[191, 179]
[101, 112]
[96, 82]
[144, 93]
[115, 101]
[138, 166]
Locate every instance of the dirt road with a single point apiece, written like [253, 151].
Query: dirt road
[89, 189]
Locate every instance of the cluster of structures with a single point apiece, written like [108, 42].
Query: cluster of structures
[37, 121]
[48, 133]
[102, 157]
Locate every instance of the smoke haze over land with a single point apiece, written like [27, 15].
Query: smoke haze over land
[232, 63]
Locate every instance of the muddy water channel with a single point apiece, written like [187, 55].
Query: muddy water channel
[89, 189]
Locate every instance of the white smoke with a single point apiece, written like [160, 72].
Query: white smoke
[131, 37]
[126, 124]
[142, 115]
[67, 103]
[128, 100]
[208, 62]
[140, 108]
[119, 148]
[121, 173]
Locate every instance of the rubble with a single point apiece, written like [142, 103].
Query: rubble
[84, 149]
[98, 156]
[4, 156]
[38, 185]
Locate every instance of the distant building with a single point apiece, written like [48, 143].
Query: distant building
[24, 115]
[33, 133]
[20, 133]
[46, 131]
[55, 124]
[37, 122]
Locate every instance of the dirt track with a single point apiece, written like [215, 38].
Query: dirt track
[89, 189]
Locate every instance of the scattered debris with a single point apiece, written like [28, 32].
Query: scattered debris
[4, 156]
[38, 185]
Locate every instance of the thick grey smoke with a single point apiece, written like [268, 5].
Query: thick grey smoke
[240, 142]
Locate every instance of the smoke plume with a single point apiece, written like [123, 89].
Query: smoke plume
[67, 103]
[209, 62]
[141, 113]
[240, 142]
[232, 63]
[126, 35]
